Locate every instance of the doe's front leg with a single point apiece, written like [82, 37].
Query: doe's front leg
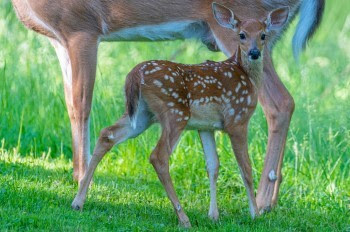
[278, 106]
[82, 51]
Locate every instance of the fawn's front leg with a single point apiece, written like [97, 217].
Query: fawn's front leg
[212, 163]
[239, 138]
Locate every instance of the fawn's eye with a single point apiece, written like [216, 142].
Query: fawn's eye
[263, 37]
[242, 36]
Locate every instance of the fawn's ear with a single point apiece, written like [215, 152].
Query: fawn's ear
[277, 18]
[224, 16]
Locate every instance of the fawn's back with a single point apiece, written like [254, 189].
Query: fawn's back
[208, 96]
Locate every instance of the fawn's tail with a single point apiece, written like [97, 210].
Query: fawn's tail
[133, 94]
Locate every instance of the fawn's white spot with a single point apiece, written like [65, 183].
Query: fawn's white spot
[249, 100]
[238, 87]
[231, 112]
[158, 83]
[237, 118]
[175, 95]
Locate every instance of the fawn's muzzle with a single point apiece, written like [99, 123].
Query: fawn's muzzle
[254, 54]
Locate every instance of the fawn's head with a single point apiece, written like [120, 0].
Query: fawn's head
[253, 33]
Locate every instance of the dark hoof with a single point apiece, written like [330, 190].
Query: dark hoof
[76, 207]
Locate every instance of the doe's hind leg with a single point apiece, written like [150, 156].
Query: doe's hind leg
[110, 136]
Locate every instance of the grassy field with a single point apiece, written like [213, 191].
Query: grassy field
[36, 187]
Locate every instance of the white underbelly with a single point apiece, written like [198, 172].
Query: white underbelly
[206, 117]
[164, 31]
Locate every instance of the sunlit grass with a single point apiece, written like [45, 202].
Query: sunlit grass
[36, 187]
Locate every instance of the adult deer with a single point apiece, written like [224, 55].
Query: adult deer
[75, 28]
[206, 97]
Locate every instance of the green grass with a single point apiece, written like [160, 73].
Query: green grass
[36, 187]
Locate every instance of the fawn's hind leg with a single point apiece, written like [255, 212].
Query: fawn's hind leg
[110, 136]
[239, 138]
[212, 163]
[171, 131]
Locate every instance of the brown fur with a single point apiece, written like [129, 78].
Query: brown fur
[75, 27]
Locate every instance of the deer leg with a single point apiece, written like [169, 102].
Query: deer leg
[65, 63]
[238, 138]
[116, 134]
[212, 163]
[160, 161]
[82, 51]
[278, 106]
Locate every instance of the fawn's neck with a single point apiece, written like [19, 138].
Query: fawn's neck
[253, 68]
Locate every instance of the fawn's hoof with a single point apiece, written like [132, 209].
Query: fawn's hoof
[214, 215]
[185, 224]
[76, 205]
[184, 221]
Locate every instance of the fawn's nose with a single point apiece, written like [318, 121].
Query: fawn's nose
[254, 54]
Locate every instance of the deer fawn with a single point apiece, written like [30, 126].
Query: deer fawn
[206, 97]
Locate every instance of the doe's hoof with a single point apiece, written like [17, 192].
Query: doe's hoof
[266, 209]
